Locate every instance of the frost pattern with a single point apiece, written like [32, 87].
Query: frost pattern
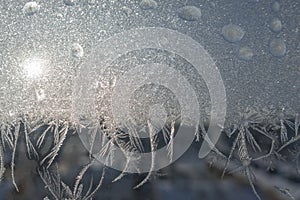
[257, 137]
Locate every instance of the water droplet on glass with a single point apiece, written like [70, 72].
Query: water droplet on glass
[276, 25]
[232, 33]
[275, 6]
[31, 8]
[278, 47]
[245, 53]
[189, 13]
[77, 50]
[148, 4]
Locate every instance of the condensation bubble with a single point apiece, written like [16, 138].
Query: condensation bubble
[70, 2]
[148, 4]
[189, 13]
[277, 47]
[275, 6]
[31, 8]
[245, 53]
[77, 50]
[232, 33]
[276, 25]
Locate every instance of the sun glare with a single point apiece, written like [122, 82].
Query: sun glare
[33, 68]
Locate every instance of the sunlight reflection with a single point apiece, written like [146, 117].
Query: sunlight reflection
[33, 68]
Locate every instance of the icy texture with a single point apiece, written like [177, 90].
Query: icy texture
[44, 48]
[48, 35]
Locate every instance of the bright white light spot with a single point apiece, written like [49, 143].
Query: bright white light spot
[33, 68]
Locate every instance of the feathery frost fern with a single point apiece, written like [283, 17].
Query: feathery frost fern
[257, 137]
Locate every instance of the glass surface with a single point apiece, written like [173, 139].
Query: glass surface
[195, 90]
